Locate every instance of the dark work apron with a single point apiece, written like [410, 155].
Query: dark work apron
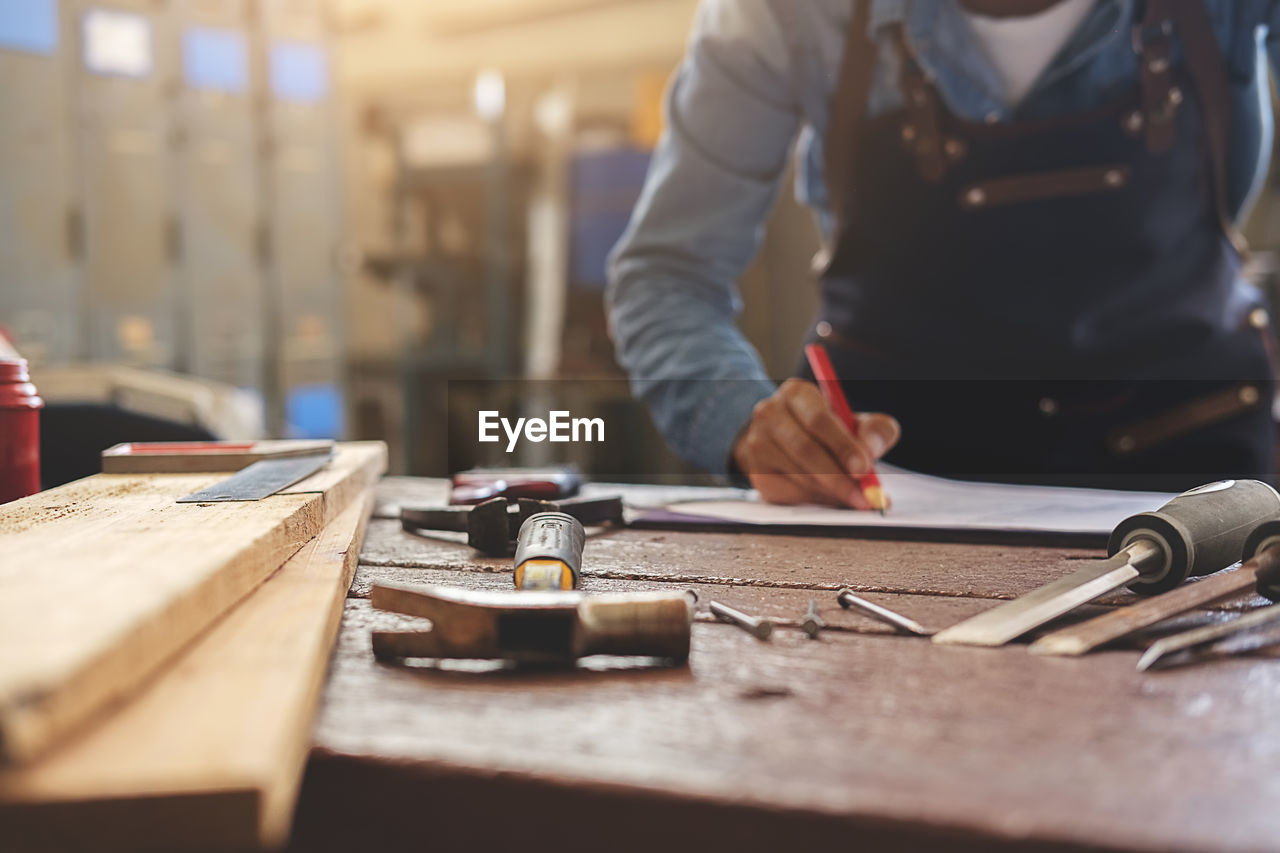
[1050, 301]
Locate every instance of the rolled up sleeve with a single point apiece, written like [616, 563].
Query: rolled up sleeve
[731, 116]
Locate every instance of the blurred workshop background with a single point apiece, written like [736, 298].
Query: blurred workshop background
[241, 218]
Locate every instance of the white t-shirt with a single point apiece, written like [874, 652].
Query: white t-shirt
[1021, 48]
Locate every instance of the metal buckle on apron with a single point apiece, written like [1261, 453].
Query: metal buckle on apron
[1145, 33]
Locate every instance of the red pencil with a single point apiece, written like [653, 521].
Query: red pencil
[820, 364]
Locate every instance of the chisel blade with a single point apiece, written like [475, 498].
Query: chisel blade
[1109, 627]
[1008, 621]
[1163, 651]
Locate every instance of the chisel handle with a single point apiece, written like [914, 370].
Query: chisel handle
[1260, 548]
[1199, 532]
[1262, 538]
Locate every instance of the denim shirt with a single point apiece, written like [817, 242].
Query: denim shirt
[758, 76]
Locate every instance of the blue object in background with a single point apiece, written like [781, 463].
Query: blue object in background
[215, 59]
[299, 71]
[314, 411]
[604, 187]
[29, 25]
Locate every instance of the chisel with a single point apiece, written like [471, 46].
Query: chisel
[1197, 533]
[1266, 582]
[1260, 554]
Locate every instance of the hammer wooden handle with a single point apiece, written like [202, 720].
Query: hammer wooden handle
[644, 625]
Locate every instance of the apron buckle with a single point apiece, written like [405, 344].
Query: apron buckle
[1144, 35]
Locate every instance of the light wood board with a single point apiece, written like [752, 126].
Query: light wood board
[210, 753]
[106, 578]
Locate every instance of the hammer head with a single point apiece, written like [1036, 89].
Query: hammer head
[489, 528]
[542, 627]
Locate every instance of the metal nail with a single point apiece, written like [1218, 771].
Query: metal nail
[881, 614]
[761, 629]
[812, 623]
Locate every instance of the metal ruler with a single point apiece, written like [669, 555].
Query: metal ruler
[261, 479]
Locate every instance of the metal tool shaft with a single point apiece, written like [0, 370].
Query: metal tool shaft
[1260, 569]
[435, 518]
[902, 623]
[1084, 638]
[262, 479]
[1011, 620]
[1162, 650]
[761, 629]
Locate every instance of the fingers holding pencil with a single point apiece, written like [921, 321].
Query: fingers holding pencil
[824, 374]
[797, 449]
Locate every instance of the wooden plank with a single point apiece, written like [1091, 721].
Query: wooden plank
[210, 753]
[106, 578]
[201, 457]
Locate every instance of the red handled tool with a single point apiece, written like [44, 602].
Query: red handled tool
[539, 484]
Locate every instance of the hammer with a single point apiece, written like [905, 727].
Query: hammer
[534, 627]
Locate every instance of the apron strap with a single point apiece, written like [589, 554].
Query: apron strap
[1207, 67]
[1153, 42]
[922, 132]
[848, 106]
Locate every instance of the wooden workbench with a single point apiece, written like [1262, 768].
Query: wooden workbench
[858, 740]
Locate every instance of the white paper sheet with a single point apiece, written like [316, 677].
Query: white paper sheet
[922, 502]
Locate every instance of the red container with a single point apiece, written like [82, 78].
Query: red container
[19, 432]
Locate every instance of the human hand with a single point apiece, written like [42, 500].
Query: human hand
[795, 449]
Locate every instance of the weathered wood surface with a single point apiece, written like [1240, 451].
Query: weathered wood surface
[860, 738]
[104, 579]
[210, 753]
[989, 572]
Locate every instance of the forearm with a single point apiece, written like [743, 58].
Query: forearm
[690, 364]
[672, 293]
